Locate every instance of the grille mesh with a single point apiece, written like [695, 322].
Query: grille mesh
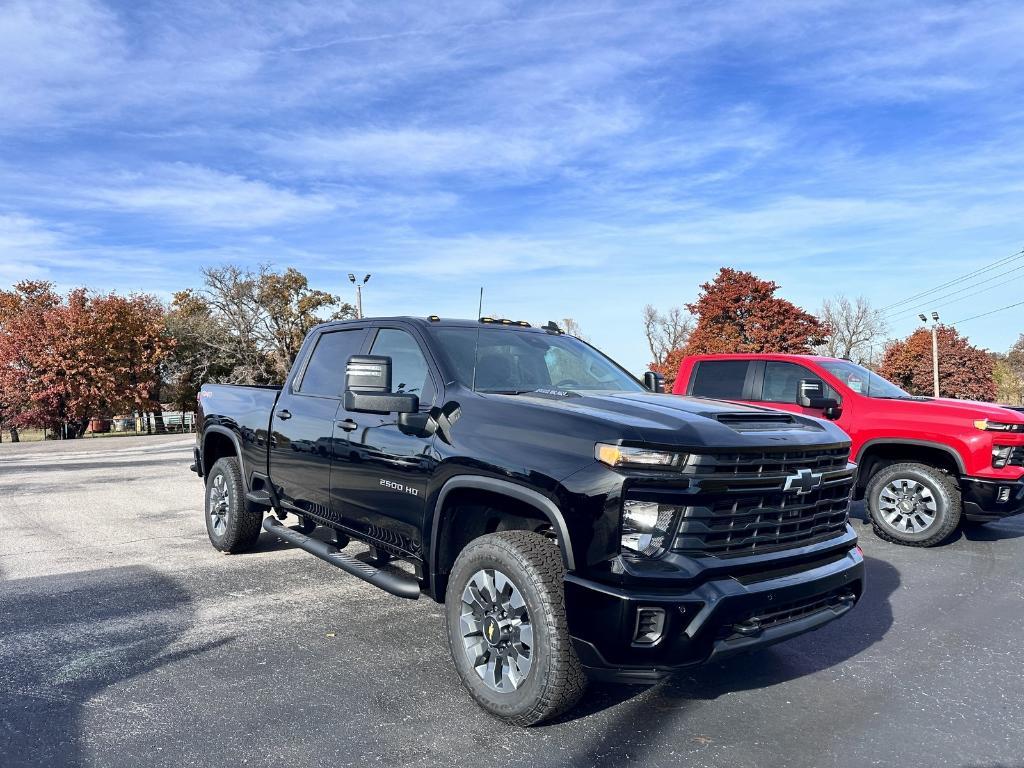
[767, 517]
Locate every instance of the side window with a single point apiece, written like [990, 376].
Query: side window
[782, 382]
[325, 373]
[409, 371]
[721, 379]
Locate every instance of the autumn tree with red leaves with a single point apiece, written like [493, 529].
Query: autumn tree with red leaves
[965, 371]
[64, 360]
[739, 312]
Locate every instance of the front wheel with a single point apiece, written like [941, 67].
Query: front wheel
[507, 630]
[913, 504]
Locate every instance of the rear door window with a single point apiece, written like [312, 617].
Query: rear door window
[721, 379]
[325, 372]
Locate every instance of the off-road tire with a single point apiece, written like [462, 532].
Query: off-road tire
[556, 680]
[944, 489]
[241, 526]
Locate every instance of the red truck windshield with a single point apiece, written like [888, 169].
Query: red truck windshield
[863, 381]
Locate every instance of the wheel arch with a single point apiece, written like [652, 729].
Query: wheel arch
[875, 454]
[522, 502]
[219, 442]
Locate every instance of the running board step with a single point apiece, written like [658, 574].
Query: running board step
[259, 499]
[397, 585]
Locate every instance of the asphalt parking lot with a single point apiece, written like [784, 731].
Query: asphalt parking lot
[126, 640]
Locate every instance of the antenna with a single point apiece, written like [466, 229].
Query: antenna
[480, 306]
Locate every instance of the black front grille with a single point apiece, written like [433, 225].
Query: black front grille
[760, 463]
[746, 507]
[757, 522]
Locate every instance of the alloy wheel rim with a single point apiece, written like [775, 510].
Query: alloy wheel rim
[907, 506]
[220, 504]
[497, 634]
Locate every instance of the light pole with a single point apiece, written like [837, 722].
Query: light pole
[935, 350]
[359, 293]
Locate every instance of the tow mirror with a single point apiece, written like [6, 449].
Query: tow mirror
[812, 395]
[654, 381]
[368, 387]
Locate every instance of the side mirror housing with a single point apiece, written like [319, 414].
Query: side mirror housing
[812, 395]
[654, 381]
[368, 387]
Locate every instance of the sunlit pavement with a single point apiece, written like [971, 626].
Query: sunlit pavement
[126, 640]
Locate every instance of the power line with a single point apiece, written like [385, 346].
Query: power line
[955, 281]
[986, 314]
[901, 314]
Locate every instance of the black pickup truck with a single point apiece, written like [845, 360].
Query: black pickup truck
[575, 523]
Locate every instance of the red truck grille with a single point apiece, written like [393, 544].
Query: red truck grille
[755, 524]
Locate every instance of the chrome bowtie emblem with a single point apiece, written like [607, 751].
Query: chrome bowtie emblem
[802, 482]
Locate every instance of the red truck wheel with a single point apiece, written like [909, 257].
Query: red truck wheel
[913, 504]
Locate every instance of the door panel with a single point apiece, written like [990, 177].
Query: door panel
[303, 428]
[379, 481]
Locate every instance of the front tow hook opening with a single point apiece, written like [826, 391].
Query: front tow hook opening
[748, 628]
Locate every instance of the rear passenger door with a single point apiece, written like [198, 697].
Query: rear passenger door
[722, 380]
[303, 430]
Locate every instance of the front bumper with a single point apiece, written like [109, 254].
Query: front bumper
[991, 499]
[714, 620]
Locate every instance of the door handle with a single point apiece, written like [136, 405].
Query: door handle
[284, 415]
[347, 424]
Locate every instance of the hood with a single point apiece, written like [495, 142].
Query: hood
[973, 409]
[681, 422]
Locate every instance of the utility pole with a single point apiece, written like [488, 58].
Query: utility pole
[935, 350]
[359, 293]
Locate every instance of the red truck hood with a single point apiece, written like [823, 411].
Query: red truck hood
[969, 408]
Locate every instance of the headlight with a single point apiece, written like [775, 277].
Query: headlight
[621, 456]
[998, 426]
[1001, 455]
[646, 525]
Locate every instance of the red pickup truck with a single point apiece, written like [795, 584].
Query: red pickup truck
[925, 464]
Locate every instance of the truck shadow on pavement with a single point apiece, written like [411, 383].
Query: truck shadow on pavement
[827, 647]
[66, 639]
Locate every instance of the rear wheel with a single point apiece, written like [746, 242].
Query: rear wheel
[231, 527]
[507, 631]
[913, 504]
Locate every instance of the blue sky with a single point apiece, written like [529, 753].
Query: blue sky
[575, 159]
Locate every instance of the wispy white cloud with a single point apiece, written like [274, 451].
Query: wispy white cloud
[203, 197]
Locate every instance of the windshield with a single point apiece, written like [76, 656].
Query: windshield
[863, 381]
[503, 360]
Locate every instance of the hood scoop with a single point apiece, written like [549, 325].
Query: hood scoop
[758, 422]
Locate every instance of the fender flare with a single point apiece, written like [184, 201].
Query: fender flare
[217, 429]
[951, 452]
[518, 492]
